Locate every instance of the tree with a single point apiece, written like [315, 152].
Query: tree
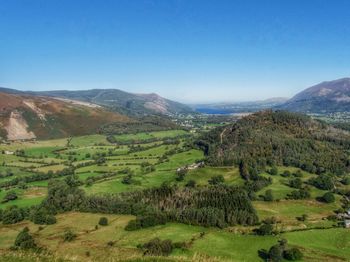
[276, 253]
[243, 170]
[191, 183]
[103, 221]
[157, 247]
[63, 196]
[215, 180]
[24, 240]
[13, 214]
[72, 181]
[22, 185]
[296, 183]
[41, 216]
[328, 197]
[346, 180]
[299, 194]
[273, 171]
[323, 181]
[268, 195]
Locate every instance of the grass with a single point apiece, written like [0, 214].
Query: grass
[202, 175]
[139, 137]
[329, 244]
[288, 210]
[29, 197]
[181, 159]
[89, 140]
[41, 152]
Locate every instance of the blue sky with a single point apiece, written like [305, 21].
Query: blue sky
[186, 50]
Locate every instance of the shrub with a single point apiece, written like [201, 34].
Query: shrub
[89, 182]
[156, 247]
[69, 236]
[293, 254]
[11, 195]
[133, 225]
[303, 217]
[299, 194]
[180, 177]
[127, 180]
[147, 220]
[298, 174]
[286, 173]
[265, 229]
[103, 221]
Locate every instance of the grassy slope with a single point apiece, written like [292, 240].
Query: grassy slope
[323, 245]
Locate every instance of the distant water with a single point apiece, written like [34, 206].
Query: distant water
[213, 111]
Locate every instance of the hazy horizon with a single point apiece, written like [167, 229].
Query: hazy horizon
[187, 51]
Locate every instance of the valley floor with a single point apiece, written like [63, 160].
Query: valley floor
[97, 164]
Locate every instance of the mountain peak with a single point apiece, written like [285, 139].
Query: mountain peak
[328, 96]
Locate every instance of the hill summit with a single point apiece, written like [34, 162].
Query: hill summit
[279, 138]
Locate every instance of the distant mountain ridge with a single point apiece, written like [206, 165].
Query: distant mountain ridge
[326, 97]
[239, 107]
[118, 100]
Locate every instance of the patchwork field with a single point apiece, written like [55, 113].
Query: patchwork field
[147, 160]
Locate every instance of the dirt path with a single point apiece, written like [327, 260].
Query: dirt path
[222, 134]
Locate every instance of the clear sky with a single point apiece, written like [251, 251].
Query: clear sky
[186, 50]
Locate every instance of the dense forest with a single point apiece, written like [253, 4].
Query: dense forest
[217, 205]
[279, 138]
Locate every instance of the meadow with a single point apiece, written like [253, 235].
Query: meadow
[112, 241]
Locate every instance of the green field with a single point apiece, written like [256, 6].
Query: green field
[139, 137]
